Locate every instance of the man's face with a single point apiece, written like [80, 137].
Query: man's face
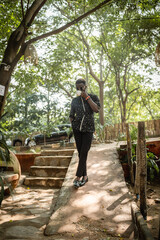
[80, 87]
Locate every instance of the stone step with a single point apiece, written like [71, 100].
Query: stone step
[47, 147]
[48, 171]
[50, 182]
[60, 152]
[58, 146]
[52, 161]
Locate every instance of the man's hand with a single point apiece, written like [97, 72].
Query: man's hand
[84, 93]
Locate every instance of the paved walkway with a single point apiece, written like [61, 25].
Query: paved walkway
[25, 214]
[100, 210]
[103, 203]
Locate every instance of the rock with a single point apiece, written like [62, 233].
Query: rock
[150, 191]
[21, 232]
[59, 239]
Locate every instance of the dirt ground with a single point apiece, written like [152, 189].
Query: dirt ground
[86, 228]
[153, 203]
[25, 215]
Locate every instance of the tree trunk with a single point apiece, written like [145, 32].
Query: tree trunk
[129, 154]
[101, 96]
[124, 111]
[86, 66]
[137, 178]
[48, 110]
[5, 77]
[143, 169]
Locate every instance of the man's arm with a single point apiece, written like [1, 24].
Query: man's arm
[92, 104]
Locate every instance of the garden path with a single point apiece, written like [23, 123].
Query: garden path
[102, 206]
[100, 210]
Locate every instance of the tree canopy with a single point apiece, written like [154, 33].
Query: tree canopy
[112, 48]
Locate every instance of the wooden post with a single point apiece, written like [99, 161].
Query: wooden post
[143, 168]
[137, 178]
[159, 228]
[129, 154]
[105, 133]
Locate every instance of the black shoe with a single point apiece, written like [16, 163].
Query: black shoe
[83, 182]
[76, 183]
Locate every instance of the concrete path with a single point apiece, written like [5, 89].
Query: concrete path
[103, 204]
[25, 214]
[100, 210]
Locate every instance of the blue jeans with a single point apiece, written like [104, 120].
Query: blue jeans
[83, 144]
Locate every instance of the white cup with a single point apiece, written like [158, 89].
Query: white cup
[79, 93]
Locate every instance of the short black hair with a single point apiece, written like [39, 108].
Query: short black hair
[81, 80]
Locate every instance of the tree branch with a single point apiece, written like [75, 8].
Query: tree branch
[131, 107]
[64, 89]
[88, 57]
[61, 29]
[125, 78]
[28, 4]
[22, 11]
[149, 110]
[18, 37]
[133, 90]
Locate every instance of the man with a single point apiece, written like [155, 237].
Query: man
[82, 120]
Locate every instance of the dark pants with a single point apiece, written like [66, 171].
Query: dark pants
[83, 143]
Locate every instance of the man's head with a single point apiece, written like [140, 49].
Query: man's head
[81, 84]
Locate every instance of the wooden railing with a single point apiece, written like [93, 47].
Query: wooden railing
[139, 179]
[113, 132]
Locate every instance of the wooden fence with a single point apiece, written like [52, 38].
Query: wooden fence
[139, 181]
[152, 129]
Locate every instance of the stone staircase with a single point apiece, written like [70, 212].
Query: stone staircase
[50, 168]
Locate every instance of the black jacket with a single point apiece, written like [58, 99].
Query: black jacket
[82, 114]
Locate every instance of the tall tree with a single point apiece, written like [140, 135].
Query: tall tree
[125, 42]
[19, 39]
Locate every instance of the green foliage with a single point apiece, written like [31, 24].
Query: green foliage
[152, 167]
[9, 19]
[69, 131]
[133, 151]
[121, 137]
[100, 132]
[133, 132]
